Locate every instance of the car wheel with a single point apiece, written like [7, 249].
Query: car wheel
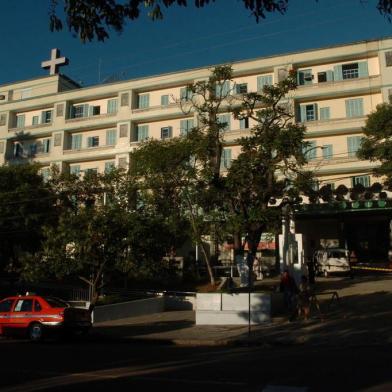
[36, 332]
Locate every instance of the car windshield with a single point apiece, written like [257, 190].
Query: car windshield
[56, 303]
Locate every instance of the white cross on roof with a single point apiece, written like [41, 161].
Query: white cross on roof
[54, 62]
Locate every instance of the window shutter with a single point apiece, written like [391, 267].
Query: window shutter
[109, 166]
[264, 80]
[329, 76]
[338, 72]
[86, 110]
[300, 78]
[124, 130]
[57, 139]
[327, 151]
[46, 145]
[226, 158]
[90, 111]
[225, 118]
[144, 101]
[170, 131]
[363, 69]
[142, 132]
[315, 108]
[75, 169]
[164, 100]
[353, 145]
[112, 106]
[111, 137]
[183, 93]
[354, 107]
[89, 141]
[20, 121]
[3, 119]
[303, 113]
[185, 126]
[124, 99]
[2, 147]
[325, 113]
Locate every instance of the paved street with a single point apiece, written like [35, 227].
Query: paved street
[120, 366]
[348, 351]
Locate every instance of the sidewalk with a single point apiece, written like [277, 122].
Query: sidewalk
[361, 317]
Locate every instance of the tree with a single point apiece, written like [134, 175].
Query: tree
[98, 232]
[26, 203]
[91, 19]
[271, 157]
[377, 144]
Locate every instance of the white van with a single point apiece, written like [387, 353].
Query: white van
[331, 260]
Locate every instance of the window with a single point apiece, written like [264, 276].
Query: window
[324, 113]
[186, 126]
[353, 145]
[222, 89]
[24, 305]
[166, 132]
[56, 303]
[93, 141]
[124, 130]
[79, 111]
[75, 170]
[304, 77]
[45, 173]
[164, 100]
[57, 139]
[354, 107]
[224, 119]
[125, 99]
[327, 151]
[33, 149]
[37, 306]
[45, 146]
[76, 142]
[185, 94]
[142, 132]
[35, 120]
[46, 117]
[363, 180]
[308, 112]
[94, 110]
[226, 158]
[18, 150]
[351, 71]
[111, 135]
[310, 150]
[20, 121]
[112, 106]
[109, 166]
[3, 119]
[264, 80]
[6, 305]
[91, 171]
[144, 101]
[244, 123]
[241, 88]
[388, 58]
[25, 93]
[322, 77]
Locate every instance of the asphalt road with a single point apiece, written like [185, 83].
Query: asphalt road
[117, 366]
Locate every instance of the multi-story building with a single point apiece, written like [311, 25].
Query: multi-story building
[52, 120]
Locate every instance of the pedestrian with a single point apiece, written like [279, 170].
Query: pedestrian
[352, 261]
[289, 289]
[257, 269]
[304, 298]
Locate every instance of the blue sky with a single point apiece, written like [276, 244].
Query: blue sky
[186, 38]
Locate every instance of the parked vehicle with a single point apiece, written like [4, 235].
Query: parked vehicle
[331, 260]
[35, 315]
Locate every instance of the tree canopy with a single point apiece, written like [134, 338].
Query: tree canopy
[377, 143]
[92, 19]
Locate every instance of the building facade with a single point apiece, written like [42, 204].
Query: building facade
[52, 120]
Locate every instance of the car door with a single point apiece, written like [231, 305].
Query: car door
[5, 312]
[22, 313]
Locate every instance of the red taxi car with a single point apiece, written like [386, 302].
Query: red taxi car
[34, 315]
